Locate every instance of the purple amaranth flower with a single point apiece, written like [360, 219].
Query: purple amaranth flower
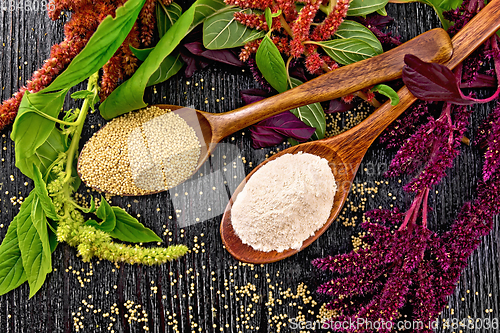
[431, 150]
[412, 270]
[402, 128]
[377, 283]
[377, 22]
[258, 76]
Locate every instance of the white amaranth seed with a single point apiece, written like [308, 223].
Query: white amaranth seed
[284, 202]
[174, 147]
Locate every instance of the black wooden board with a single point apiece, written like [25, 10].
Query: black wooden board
[208, 290]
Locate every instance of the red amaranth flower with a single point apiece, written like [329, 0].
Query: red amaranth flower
[330, 63]
[112, 74]
[249, 49]
[77, 32]
[288, 9]
[328, 27]
[282, 44]
[147, 18]
[301, 27]
[314, 63]
[251, 20]
[348, 98]
[8, 110]
[85, 18]
[253, 4]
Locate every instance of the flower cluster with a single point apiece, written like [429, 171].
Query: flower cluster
[85, 18]
[377, 282]
[405, 268]
[295, 29]
[92, 242]
[431, 149]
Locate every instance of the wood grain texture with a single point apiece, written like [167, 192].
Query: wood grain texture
[209, 291]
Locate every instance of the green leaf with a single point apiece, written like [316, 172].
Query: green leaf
[91, 209]
[82, 94]
[312, 115]
[203, 9]
[293, 142]
[271, 64]
[141, 54]
[12, 273]
[269, 17]
[347, 51]
[104, 211]
[166, 16]
[30, 129]
[129, 95]
[105, 41]
[352, 29]
[52, 240]
[43, 195]
[34, 242]
[106, 214]
[222, 31]
[44, 156]
[365, 7]
[382, 12]
[387, 91]
[170, 66]
[128, 229]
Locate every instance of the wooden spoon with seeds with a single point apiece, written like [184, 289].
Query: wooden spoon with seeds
[211, 128]
[346, 151]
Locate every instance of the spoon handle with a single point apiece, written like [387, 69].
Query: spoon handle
[433, 45]
[466, 41]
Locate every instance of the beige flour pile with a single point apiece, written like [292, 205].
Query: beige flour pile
[284, 202]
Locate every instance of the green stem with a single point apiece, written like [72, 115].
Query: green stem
[75, 140]
[285, 26]
[42, 114]
[324, 9]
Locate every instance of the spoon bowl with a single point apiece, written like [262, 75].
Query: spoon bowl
[433, 46]
[345, 151]
[344, 176]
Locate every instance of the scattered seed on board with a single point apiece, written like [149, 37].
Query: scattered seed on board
[152, 149]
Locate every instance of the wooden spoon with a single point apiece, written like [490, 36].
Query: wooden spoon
[433, 46]
[346, 151]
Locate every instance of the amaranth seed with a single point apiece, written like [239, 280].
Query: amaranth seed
[148, 150]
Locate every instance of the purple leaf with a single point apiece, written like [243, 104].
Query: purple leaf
[250, 96]
[275, 129]
[298, 72]
[224, 56]
[376, 20]
[264, 137]
[195, 48]
[432, 82]
[338, 105]
[191, 65]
